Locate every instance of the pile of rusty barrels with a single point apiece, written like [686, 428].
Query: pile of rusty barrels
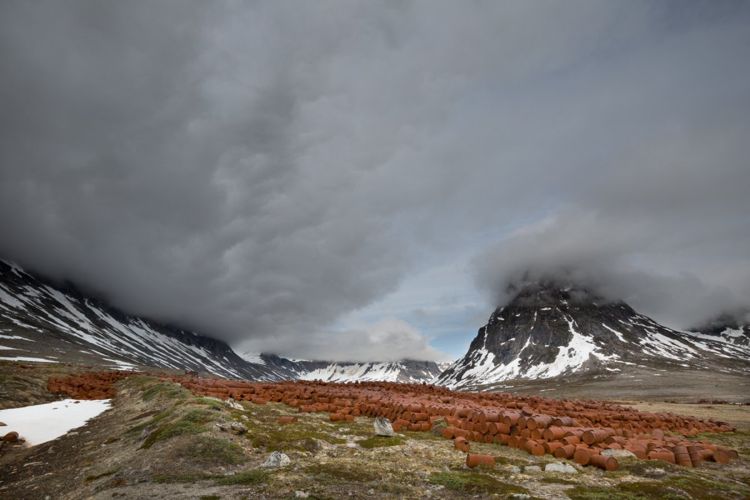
[569, 429]
[87, 385]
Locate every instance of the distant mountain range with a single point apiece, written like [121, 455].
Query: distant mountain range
[43, 322]
[545, 331]
[551, 331]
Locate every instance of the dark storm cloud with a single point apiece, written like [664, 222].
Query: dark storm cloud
[256, 170]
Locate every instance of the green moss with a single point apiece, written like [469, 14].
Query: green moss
[165, 390]
[380, 441]
[472, 482]
[671, 488]
[255, 476]
[343, 472]
[150, 423]
[181, 478]
[295, 436]
[211, 451]
[653, 469]
[191, 422]
[424, 436]
[214, 404]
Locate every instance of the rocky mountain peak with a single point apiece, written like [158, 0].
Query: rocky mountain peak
[549, 329]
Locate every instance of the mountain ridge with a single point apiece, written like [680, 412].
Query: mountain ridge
[77, 328]
[548, 331]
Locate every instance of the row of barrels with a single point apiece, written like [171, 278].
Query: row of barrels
[579, 430]
[87, 385]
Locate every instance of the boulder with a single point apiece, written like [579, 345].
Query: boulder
[237, 428]
[233, 427]
[11, 437]
[383, 427]
[560, 467]
[618, 453]
[277, 459]
[532, 469]
[234, 404]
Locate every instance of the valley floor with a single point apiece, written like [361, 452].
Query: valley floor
[161, 441]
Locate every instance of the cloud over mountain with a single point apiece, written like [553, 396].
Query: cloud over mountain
[257, 170]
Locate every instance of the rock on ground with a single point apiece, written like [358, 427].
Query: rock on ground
[560, 467]
[618, 453]
[383, 427]
[277, 459]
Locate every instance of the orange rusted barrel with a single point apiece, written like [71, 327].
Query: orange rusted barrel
[476, 460]
[724, 455]
[681, 456]
[661, 454]
[582, 456]
[461, 444]
[604, 463]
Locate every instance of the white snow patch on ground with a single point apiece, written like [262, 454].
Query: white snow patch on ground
[41, 423]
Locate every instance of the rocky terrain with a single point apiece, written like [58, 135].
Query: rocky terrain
[553, 332]
[162, 440]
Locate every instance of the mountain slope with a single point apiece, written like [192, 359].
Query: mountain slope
[42, 322]
[547, 331]
[725, 328]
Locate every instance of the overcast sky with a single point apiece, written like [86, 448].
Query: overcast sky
[360, 180]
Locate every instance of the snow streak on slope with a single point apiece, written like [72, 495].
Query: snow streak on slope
[73, 327]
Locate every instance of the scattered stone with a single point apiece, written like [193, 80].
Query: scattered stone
[234, 404]
[383, 427]
[277, 459]
[301, 494]
[560, 467]
[514, 469]
[520, 496]
[233, 427]
[11, 437]
[531, 469]
[618, 453]
[237, 428]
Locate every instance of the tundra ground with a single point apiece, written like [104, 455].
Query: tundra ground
[161, 441]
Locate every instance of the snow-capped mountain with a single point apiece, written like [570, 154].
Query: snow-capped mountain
[726, 328]
[45, 323]
[42, 322]
[406, 371]
[549, 331]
